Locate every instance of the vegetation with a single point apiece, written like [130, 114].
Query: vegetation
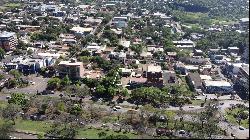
[238, 115]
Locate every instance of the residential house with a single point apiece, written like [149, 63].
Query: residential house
[195, 81]
[169, 78]
[80, 31]
[184, 44]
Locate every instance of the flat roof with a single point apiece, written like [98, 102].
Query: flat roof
[152, 68]
[81, 29]
[69, 63]
[217, 83]
[205, 77]
[7, 34]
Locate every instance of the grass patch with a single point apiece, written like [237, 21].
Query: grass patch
[3, 104]
[12, 5]
[93, 133]
[197, 102]
[230, 116]
[32, 126]
[43, 127]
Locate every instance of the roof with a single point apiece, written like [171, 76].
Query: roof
[169, 77]
[49, 54]
[244, 20]
[93, 20]
[205, 77]
[7, 34]
[70, 63]
[191, 67]
[196, 79]
[231, 48]
[81, 29]
[124, 43]
[183, 42]
[246, 70]
[217, 83]
[152, 68]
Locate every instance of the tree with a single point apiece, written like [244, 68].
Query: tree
[29, 52]
[11, 112]
[54, 83]
[15, 73]
[63, 131]
[76, 110]
[2, 53]
[5, 130]
[100, 90]
[137, 48]
[65, 81]
[116, 137]
[111, 91]
[18, 99]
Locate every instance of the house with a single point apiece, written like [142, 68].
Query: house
[8, 40]
[124, 43]
[194, 60]
[234, 50]
[154, 75]
[169, 78]
[71, 68]
[80, 31]
[222, 87]
[93, 21]
[195, 81]
[94, 47]
[198, 52]
[126, 72]
[39, 45]
[93, 74]
[154, 48]
[244, 23]
[184, 44]
[29, 65]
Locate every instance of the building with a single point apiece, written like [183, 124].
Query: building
[222, 87]
[242, 82]
[80, 31]
[195, 81]
[71, 68]
[154, 75]
[29, 65]
[234, 50]
[244, 23]
[169, 78]
[8, 40]
[184, 44]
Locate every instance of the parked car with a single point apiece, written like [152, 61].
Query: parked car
[8, 97]
[241, 128]
[118, 107]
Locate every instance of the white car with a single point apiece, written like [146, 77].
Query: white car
[118, 107]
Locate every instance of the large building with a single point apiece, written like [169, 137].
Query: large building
[71, 68]
[8, 40]
[222, 87]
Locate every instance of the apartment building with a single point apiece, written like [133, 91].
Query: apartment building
[8, 40]
[71, 68]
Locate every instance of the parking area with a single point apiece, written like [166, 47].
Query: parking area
[39, 84]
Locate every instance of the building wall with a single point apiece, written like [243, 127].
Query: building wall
[8, 43]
